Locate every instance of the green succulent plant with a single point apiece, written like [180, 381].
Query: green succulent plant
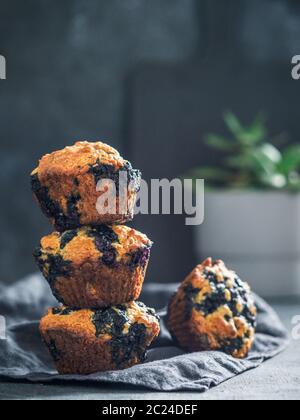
[250, 159]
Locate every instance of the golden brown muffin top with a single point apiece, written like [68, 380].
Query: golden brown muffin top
[218, 271]
[105, 324]
[77, 159]
[87, 243]
[213, 278]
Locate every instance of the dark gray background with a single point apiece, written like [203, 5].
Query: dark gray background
[139, 74]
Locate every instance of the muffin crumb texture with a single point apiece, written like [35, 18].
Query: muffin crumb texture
[213, 309]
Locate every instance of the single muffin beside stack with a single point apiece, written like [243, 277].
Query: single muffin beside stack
[94, 265]
[213, 309]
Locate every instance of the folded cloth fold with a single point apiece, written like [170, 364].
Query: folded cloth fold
[167, 368]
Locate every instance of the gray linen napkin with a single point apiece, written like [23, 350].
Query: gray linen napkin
[167, 368]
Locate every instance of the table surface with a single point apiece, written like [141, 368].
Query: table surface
[278, 378]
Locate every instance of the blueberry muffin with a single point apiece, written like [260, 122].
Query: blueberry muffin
[66, 185]
[213, 309]
[95, 267]
[88, 341]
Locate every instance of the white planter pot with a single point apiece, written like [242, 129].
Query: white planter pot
[258, 235]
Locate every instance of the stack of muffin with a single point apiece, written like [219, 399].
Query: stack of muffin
[94, 264]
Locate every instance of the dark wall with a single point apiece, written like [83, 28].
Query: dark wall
[84, 69]
[67, 63]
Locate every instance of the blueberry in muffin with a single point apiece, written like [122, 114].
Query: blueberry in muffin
[65, 184]
[87, 341]
[213, 309]
[94, 267]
